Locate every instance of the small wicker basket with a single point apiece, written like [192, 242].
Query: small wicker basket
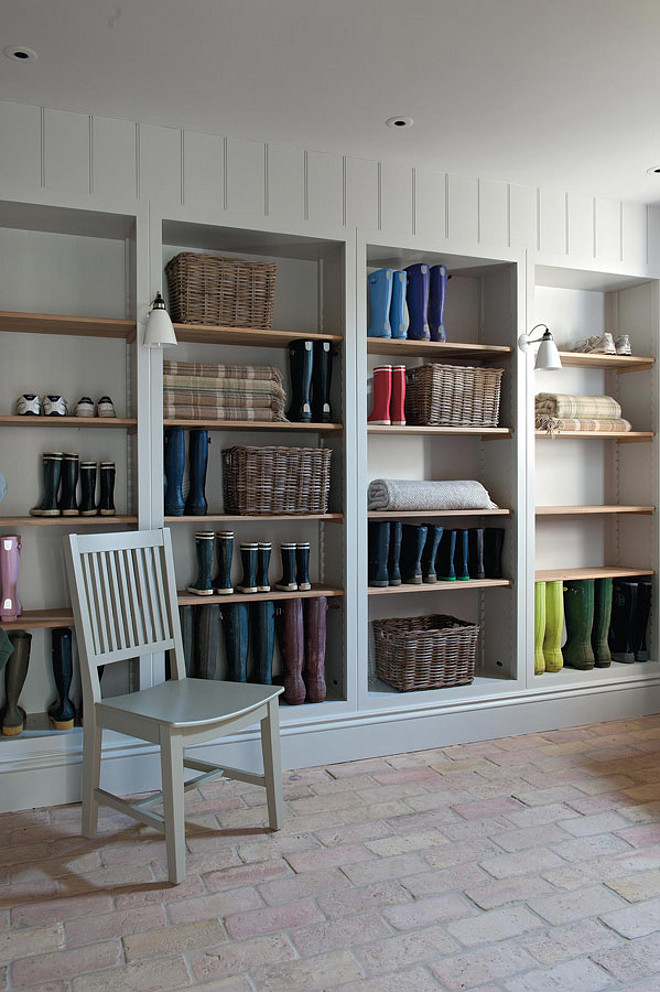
[453, 396]
[430, 652]
[212, 289]
[267, 480]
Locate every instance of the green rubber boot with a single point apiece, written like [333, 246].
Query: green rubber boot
[554, 625]
[539, 627]
[602, 615]
[579, 615]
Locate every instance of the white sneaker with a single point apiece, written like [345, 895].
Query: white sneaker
[105, 407]
[55, 406]
[85, 407]
[622, 345]
[28, 405]
[597, 344]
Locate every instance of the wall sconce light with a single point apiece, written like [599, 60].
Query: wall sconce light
[547, 357]
[159, 332]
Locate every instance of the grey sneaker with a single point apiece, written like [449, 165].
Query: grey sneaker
[597, 344]
[85, 407]
[28, 405]
[54, 406]
[622, 345]
[106, 407]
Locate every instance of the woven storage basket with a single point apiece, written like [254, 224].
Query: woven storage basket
[453, 396]
[212, 289]
[276, 480]
[431, 652]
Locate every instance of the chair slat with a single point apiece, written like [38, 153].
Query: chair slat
[138, 622]
[108, 602]
[97, 599]
[118, 603]
[124, 591]
[143, 596]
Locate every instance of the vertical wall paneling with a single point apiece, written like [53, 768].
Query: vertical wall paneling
[653, 239]
[608, 230]
[361, 193]
[20, 147]
[523, 216]
[396, 198]
[160, 163]
[552, 222]
[203, 170]
[493, 214]
[430, 204]
[463, 209]
[66, 151]
[114, 158]
[581, 237]
[285, 198]
[634, 235]
[245, 178]
[324, 189]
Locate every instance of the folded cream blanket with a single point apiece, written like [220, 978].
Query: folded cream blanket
[555, 425]
[577, 407]
[413, 494]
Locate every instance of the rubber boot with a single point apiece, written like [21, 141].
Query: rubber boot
[87, 505]
[413, 541]
[203, 586]
[302, 565]
[321, 381]
[398, 305]
[418, 302]
[579, 618]
[539, 627]
[288, 581]
[444, 562]
[380, 302]
[430, 552]
[380, 413]
[10, 563]
[262, 640]
[476, 553]
[393, 568]
[554, 626]
[624, 608]
[206, 641]
[291, 636]
[398, 396]
[301, 359]
[187, 620]
[315, 611]
[437, 295]
[224, 546]
[52, 475]
[67, 503]
[198, 455]
[235, 625]
[107, 497]
[602, 616]
[13, 715]
[641, 620]
[263, 562]
[248, 582]
[174, 461]
[63, 712]
[493, 545]
[461, 555]
[379, 552]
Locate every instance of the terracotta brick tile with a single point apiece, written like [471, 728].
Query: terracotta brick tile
[595, 823]
[406, 949]
[297, 887]
[642, 836]
[567, 906]
[173, 940]
[242, 956]
[43, 913]
[562, 943]
[156, 892]
[539, 816]
[108, 878]
[89, 929]
[357, 899]
[214, 907]
[587, 848]
[488, 964]
[635, 921]
[382, 869]
[424, 912]
[521, 863]
[323, 972]
[364, 766]
[487, 808]
[155, 975]
[504, 891]
[354, 832]
[637, 887]
[495, 925]
[376, 811]
[271, 919]
[396, 776]
[30, 940]
[253, 874]
[348, 783]
[64, 964]
[344, 854]
[34, 891]
[388, 847]
[416, 980]
[581, 974]
[450, 879]
[456, 854]
[347, 931]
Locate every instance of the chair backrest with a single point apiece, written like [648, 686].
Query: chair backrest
[124, 600]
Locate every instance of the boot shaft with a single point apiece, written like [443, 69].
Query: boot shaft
[393, 567]
[321, 382]
[302, 565]
[398, 396]
[67, 504]
[203, 584]
[398, 305]
[437, 293]
[235, 626]
[382, 395]
[378, 532]
[206, 641]
[288, 581]
[476, 553]
[263, 563]
[380, 302]
[248, 582]
[413, 540]
[87, 505]
[430, 552]
[292, 646]
[107, 495]
[174, 463]
[461, 556]
[601, 626]
[224, 545]
[10, 561]
[301, 358]
[262, 641]
[444, 563]
[198, 454]
[315, 612]
[418, 301]
[52, 475]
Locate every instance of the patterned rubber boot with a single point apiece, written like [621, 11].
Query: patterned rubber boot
[288, 581]
[554, 626]
[379, 549]
[235, 625]
[206, 641]
[249, 562]
[291, 636]
[624, 608]
[302, 566]
[10, 563]
[198, 454]
[301, 360]
[67, 503]
[263, 563]
[393, 568]
[437, 294]
[418, 302]
[380, 413]
[174, 460]
[444, 562]
[224, 546]
[602, 617]
[13, 715]
[476, 553]
[641, 620]
[579, 618]
[107, 497]
[87, 505]
[493, 546]
[413, 540]
[398, 396]
[430, 552]
[315, 611]
[380, 302]
[203, 586]
[262, 640]
[52, 475]
[62, 712]
[539, 627]
[321, 382]
[461, 556]
[398, 305]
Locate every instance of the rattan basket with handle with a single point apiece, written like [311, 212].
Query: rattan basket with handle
[259, 480]
[453, 396]
[429, 652]
[215, 289]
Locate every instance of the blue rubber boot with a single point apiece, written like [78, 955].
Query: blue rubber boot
[393, 567]
[444, 562]
[62, 712]
[379, 550]
[262, 639]
[235, 624]
[430, 552]
[203, 584]
[174, 458]
[412, 547]
[418, 302]
[461, 556]
[398, 307]
[437, 294]
[380, 301]
[198, 454]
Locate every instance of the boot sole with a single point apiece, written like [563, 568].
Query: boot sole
[62, 724]
[199, 592]
[45, 513]
[70, 513]
[107, 513]
[89, 513]
[223, 592]
[12, 731]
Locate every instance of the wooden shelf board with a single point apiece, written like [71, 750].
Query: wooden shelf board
[186, 598]
[584, 511]
[409, 429]
[52, 323]
[623, 438]
[596, 572]
[618, 363]
[124, 423]
[441, 586]
[439, 349]
[35, 619]
[419, 514]
[254, 425]
[251, 336]
[252, 518]
[120, 519]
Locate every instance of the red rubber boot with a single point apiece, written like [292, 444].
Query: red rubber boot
[398, 400]
[382, 395]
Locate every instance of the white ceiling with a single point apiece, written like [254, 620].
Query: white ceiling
[556, 93]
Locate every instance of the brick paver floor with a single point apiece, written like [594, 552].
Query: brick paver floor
[527, 864]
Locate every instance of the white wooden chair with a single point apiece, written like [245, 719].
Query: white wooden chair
[125, 606]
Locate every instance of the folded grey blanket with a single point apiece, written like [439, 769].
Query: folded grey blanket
[413, 494]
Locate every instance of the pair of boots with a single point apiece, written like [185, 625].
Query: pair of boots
[389, 395]
[548, 627]
[10, 563]
[301, 631]
[60, 480]
[631, 608]
[428, 553]
[255, 559]
[311, 376]
[424, 289]
[62, 712]
[195, 504]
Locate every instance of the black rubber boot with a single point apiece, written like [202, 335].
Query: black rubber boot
[301, 359]
[379, 551]
[67, 503]
[476, 553]
[224, 546]
[206, 641]
[602, 616]
[263, 563]
[187, 618]
[444, 562]
[248, 582]
[579, 618]
[413, 539]
[203, 586]
[624, 608]
[393, 569]
[288, 581]
[52, 474]
[429, 554]
[87, 505]
[262, 641]
[321, 380]
[174, 460]
[198, 455]
[62, 712]
[302, 565]
[641, 620]
[13, 715]
[107, 497]
[493, 545]
[461, 556]
[235, 624]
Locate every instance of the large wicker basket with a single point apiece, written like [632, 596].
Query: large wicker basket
[276, 480]
[453, 396]
[212, 289]
[431, 652]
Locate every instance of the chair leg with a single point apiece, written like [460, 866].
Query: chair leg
[270, 749]
[171, 764]
[91, 777]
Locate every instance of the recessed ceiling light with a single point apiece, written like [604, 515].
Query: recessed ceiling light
[19, 53]
[399, 122]
[654, 170]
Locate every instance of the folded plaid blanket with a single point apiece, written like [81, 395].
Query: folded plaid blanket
[588, 407]
[183, 397]
[555, 425]
[412, 494]
[202, 390]
[221, 385]
[197, 411]
[268, 372]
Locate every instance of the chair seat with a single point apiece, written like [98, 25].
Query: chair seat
[192, 702]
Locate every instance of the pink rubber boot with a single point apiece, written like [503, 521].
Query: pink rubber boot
[382, 395]
[397, 402]
[10, 561]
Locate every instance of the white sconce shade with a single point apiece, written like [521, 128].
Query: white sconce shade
[547, 357]
[159, 332]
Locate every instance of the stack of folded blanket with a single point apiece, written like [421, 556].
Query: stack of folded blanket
[557, 412]
[203, 391]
